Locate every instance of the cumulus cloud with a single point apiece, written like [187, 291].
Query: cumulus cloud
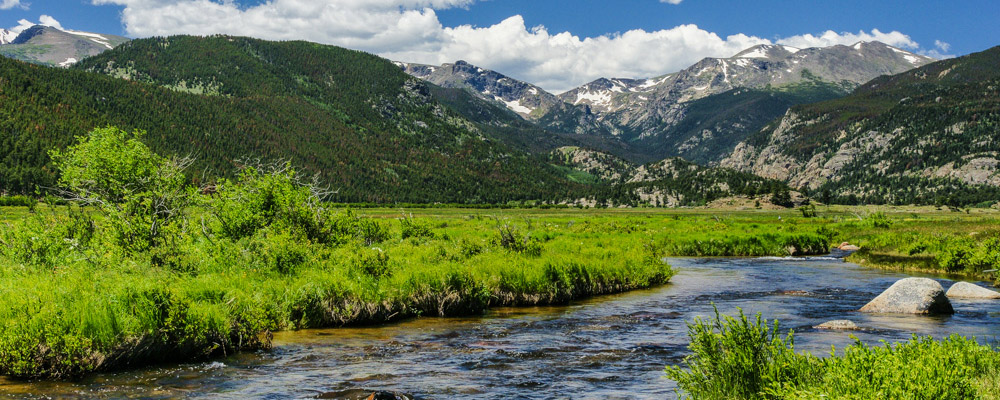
[42, 20]
[940, 50]
[830, 38]
[409, 30]
[674, 2]
[8, 4]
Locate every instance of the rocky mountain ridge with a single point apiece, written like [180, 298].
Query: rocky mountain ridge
[922, 136]
[49, 45]
[691, 112]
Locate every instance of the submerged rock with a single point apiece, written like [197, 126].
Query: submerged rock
[966, 290]
[363, 394]
[911, 296]
[840, 324]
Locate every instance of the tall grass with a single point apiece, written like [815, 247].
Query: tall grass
[73, 302]
[744, 358]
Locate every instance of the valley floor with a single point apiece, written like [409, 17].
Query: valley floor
[75, 303]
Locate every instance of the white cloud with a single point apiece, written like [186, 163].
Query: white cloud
[940, 50]
[409, 30]
[8, 4]
[42, 20]
[830, 38]
[674, 2]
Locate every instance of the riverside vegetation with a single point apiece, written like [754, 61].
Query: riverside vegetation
[137, 267]
[749, 358]
[140, 268]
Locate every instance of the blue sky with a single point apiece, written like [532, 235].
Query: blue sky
[580, 40]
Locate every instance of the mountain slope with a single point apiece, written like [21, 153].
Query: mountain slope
[670, 182]
[51, 46]
[922, 136]
[355, 120]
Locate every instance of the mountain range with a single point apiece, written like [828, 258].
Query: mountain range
[866, 123]
[693, 112]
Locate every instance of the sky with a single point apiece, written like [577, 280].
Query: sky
[556, 44]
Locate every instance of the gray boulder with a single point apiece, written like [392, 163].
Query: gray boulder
[911, 296]
[840, 324]
[966, 290]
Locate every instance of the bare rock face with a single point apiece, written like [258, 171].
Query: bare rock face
[966, 290]
[840, 324]
[911, 296]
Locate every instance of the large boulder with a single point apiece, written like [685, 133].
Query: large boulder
[966, 290]
[911, 296]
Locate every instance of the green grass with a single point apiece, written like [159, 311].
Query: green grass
[748, 358]
[74, 302]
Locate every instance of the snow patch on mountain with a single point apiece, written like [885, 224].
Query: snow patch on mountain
[7, 36]
[93, 37]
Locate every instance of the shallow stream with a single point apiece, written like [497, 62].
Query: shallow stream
[606, 347]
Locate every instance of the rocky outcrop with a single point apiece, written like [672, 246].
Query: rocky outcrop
[840, 324]
[911, 296]
[966, 290]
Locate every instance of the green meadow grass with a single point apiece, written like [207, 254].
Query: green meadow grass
[73, 302]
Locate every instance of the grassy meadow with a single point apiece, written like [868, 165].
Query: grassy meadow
[75, 301]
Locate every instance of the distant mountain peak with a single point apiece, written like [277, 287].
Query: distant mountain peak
[520, 97]
[49, 45]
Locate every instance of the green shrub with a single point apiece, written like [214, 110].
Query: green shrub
[139, 191]
[508, 237]
[922, 368]
[412, 229]
[877, 220]
[740, 358]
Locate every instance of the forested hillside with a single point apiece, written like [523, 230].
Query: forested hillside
[365, 128]
[924, 136]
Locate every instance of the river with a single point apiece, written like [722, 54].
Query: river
[602, 348]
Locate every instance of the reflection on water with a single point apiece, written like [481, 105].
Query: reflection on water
[607, 347]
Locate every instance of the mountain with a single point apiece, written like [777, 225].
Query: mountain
[687, 113]
[670, 182]
[526, 99]
[52, 46]
[928, 135]
[353, 120]
[699, 113]
[646, 107]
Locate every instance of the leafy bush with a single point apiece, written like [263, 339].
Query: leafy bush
[411, 229]
[740, 358]
[510, 238]
[141, 192]
[274, 196]
[877, 220]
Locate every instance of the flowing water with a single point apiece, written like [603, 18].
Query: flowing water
[606, 347]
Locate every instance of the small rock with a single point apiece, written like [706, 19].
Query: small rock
[911, 296]
[966, 290]
[840, 324]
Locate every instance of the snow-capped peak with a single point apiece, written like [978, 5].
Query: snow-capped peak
[6, 36]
